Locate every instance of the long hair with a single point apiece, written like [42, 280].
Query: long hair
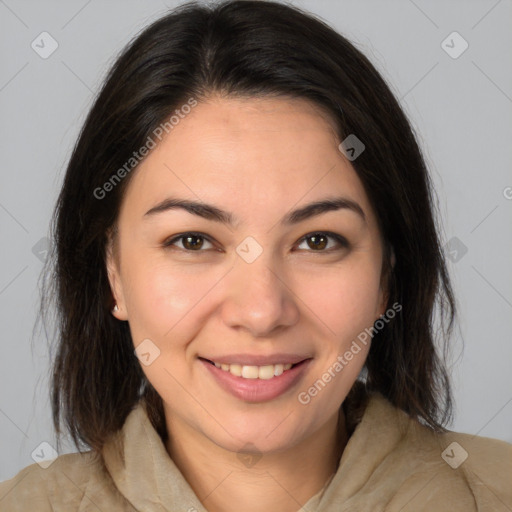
[246, 49]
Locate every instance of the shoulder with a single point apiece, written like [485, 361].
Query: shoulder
[77, 481]
[454, 470]
[483, 465]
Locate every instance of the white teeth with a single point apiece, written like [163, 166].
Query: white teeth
[250, 372]
[265, 372]
[235, 369]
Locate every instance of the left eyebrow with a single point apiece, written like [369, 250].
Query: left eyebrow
[211, 212]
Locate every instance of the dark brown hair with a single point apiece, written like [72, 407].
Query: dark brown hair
[249, 49]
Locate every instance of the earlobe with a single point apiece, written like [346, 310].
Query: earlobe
[118, 310]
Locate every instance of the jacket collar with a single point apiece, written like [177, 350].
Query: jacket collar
[146, 476]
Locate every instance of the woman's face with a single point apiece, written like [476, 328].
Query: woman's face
[271, 287]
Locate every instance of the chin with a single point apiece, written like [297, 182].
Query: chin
[262, 432]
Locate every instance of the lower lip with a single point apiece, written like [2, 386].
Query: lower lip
[257, 390]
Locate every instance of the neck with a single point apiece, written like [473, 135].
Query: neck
[282, 481]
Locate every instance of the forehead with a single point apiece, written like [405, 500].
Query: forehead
[246, 154]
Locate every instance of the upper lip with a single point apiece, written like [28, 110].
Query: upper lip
[256, 359]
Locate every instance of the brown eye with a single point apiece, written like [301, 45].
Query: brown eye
[318, 242]
[191, 242]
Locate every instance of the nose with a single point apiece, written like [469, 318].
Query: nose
[258, 298]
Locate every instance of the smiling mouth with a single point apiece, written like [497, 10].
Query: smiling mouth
[265, 372]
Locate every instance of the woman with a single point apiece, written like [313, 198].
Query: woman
[246, 270]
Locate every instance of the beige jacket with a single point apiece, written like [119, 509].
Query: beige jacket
[390, 463]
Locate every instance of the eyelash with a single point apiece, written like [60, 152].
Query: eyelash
[342, 241]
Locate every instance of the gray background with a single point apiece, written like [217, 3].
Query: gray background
[460, 107]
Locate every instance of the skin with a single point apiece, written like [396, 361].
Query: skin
[258, 159]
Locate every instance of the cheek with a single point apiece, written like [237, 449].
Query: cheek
[345, 300]
[169, 302]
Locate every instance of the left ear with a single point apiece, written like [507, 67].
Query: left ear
[114, 278]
